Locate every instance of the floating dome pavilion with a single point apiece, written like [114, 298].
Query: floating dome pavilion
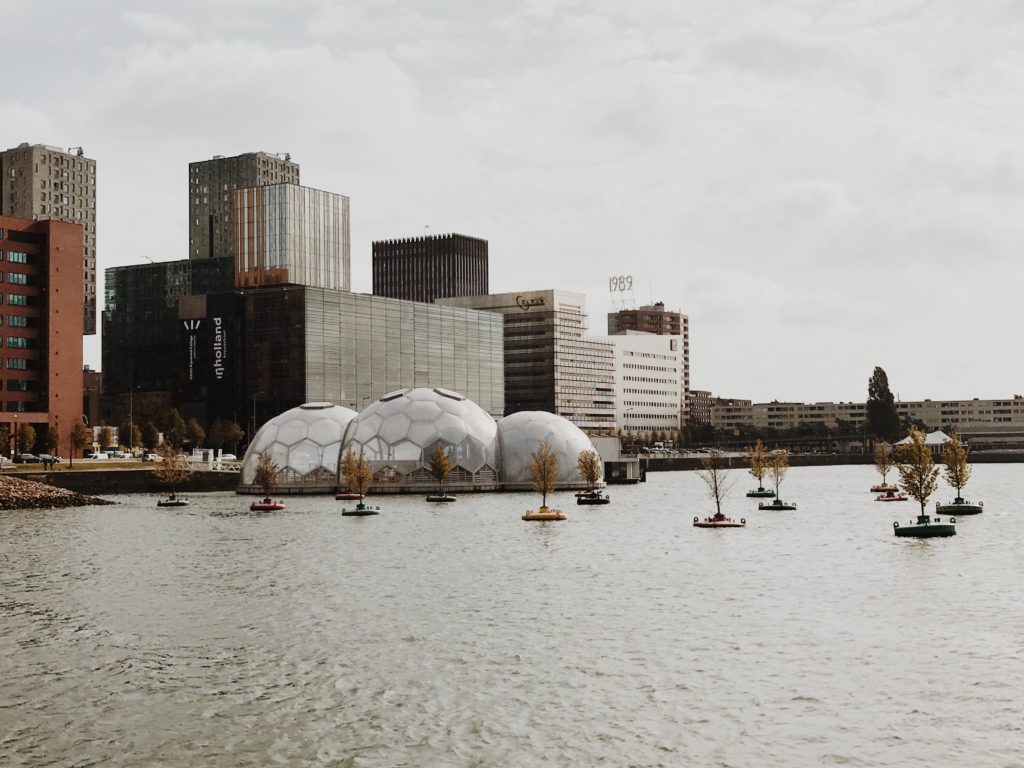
[520, 435]
[397, 435]
[305, 444]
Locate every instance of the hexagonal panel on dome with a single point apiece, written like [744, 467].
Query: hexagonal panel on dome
[304, 456]
[395, 428]
[423, 410]
[405, 451]
[421, 432]
[324, 431]
[292, 431]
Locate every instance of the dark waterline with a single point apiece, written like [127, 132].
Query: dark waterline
[462, 636]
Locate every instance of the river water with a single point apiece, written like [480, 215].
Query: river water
[463, 636]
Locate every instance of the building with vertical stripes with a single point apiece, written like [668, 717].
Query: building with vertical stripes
[430, 267]
[285, 233]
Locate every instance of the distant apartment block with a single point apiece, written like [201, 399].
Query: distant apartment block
[958, 415]
[653, 318]
[285, 233]
[43, 182]
[211, 187]
[40, 308]
[430, 267]
[550, 364]
[698, 406]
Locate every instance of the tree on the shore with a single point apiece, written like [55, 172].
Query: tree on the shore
[882, 418]
[53, 438]
[758, 456]
[105, 438]
[150, 436]
[233, 434]
[778, 464]
[26, 438]
[194, 433]
[129, 435]
[589, 466]
[173, 469]
[954, 456]
[543, 471]
[81, 436]
[716, 477]
[884, 460]
[174, 429]
[918, 475]
[215, 436]
[440, 466]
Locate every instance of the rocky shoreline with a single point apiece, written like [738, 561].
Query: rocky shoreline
[26, 494]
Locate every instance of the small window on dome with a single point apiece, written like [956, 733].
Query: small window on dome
[393, 395]
[448, 393]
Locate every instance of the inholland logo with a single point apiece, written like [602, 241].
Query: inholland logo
[191, 325]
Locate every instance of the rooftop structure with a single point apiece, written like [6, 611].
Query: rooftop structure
[211, 186]
[430, 267]
[44, 182]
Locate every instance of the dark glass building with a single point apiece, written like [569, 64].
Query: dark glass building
[431, 267]
[142, 331]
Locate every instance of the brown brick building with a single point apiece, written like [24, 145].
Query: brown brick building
[648, 319]
[41, 312]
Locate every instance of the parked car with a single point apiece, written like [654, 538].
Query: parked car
[99, 455]
[27, 458]
[45, 457]
[150, 457]
[228, 457]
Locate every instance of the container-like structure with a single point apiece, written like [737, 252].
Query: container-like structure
[397, 435]
[521, 433]
[305, 444]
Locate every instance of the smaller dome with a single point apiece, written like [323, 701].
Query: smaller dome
[520, 434]
[305, 443]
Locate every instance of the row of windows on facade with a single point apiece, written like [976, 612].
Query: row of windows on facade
[21, 364]
[18, 300]
[15, 257]
[67, 161]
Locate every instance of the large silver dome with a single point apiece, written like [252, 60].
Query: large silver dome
[397, 435]
[520, 435]
[305, 443]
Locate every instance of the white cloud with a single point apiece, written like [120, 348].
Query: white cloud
[158, 25]
[798, 175]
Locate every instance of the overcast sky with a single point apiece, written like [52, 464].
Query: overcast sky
[822, 186]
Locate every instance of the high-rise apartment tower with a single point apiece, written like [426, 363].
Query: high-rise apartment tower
[430, 267]
[211, 187]
[42, 182]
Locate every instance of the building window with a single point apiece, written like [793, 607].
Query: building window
[16, 278]
[17, 364]
[17, 342]
[17, 300]
[17, 258]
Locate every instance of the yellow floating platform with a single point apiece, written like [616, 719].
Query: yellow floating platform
[544, 514]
